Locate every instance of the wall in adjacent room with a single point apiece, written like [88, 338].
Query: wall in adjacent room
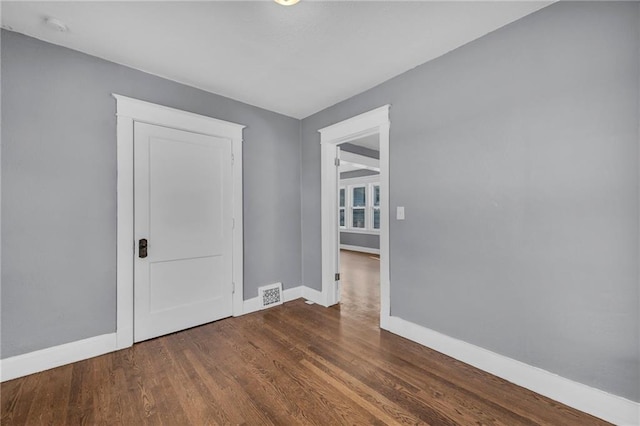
[371, 241]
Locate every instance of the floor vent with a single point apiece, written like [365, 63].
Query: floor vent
[270, 295]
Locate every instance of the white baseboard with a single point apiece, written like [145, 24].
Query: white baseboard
[601, 404]
[45, 359]
[313, 295]
[250, 305]
[292, 293]
[590, 400]
[360, 249]
[289, 294]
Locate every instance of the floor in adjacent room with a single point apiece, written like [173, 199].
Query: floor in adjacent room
[287, 365]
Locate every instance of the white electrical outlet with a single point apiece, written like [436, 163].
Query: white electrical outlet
[400, 213]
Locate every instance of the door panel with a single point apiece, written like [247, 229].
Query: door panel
[186, 189]
[197, 278]
[183, 208]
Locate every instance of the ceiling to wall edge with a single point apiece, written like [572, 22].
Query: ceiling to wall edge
[191, 84]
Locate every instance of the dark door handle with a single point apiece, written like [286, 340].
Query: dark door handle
[142, 248]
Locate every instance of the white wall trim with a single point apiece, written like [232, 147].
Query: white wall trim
[312, 295]
[128, 112]
[238, 229]
[45, 359]
[373, 122]
[590, 400]
[601, 404]
[292, 293]
[353, 127]
[253, 304]
[151, 113]
[360, 249]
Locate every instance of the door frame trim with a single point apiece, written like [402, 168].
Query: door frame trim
[371, 122]
[129, 111]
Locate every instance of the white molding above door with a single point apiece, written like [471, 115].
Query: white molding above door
[129, 111]
[372, 122]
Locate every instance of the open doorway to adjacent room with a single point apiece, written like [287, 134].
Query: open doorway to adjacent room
[355, 212]
[359, 225]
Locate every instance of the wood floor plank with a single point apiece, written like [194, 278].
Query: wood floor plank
[17, 397]
[288, 362]
[265, 368]
[402, 382]
[363, 396]
[393, 390]
[295, 364]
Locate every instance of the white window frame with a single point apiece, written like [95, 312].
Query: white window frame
[364, 208]
[372, 187]
[340, 208]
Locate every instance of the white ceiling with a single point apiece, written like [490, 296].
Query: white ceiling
[294, 60]
[350, 161]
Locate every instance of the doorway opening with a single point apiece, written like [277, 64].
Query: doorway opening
[359, 216]
[372, 125]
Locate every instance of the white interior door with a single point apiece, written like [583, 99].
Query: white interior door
[183, 209]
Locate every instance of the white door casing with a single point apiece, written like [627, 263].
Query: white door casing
[183, 214]
[338, 284]
[368, 123]
[129, 112]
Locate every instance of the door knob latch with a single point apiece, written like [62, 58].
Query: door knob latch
[142, 248]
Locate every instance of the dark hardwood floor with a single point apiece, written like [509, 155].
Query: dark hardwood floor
[288, 365]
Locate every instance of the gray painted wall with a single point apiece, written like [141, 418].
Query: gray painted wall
[356, 149]
[357, 173]
[59, 189]
[516, 157]
[360, 240]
